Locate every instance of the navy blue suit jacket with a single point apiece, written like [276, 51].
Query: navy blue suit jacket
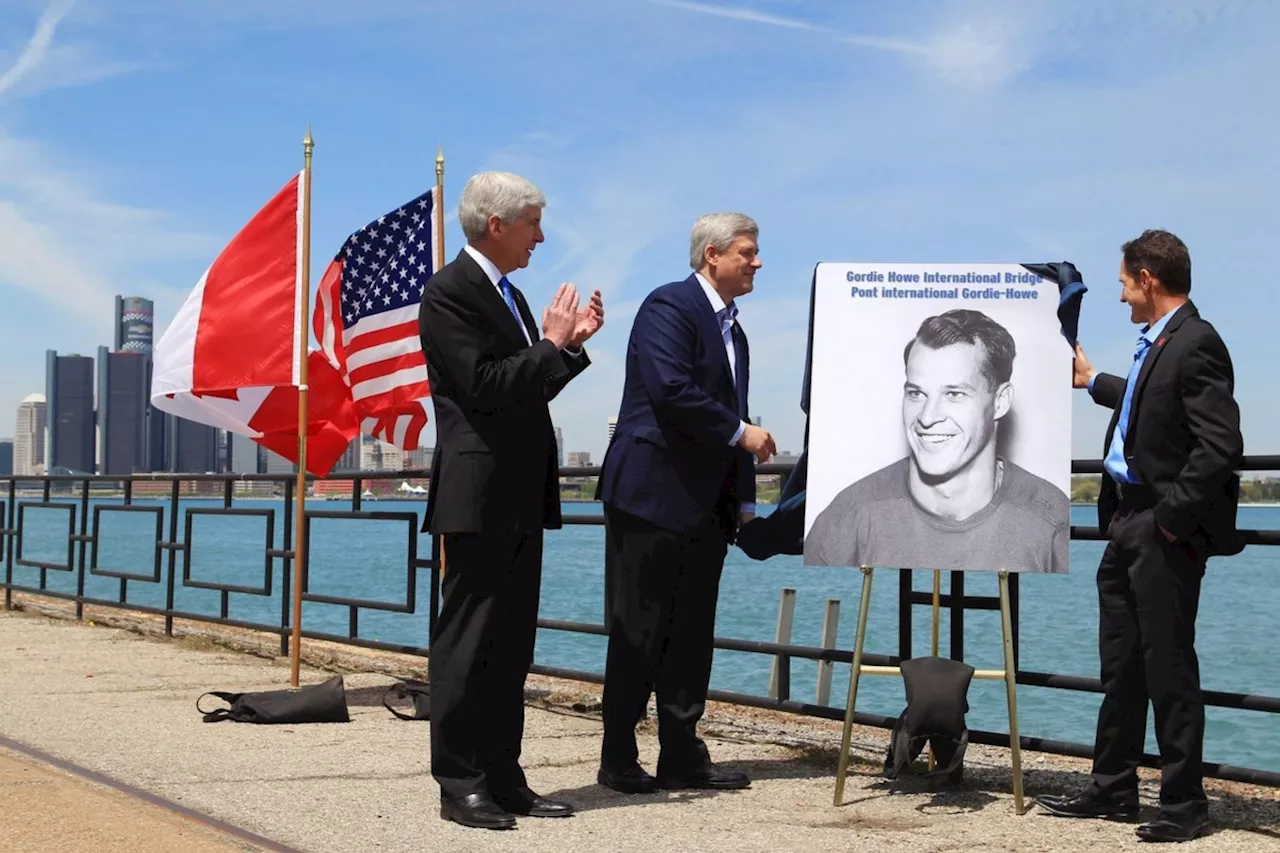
[670, 460]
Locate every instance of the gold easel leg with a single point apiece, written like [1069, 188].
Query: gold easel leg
[1011, 687]
[855, 671]
[937, 619]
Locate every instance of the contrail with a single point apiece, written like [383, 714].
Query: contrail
[37, 46]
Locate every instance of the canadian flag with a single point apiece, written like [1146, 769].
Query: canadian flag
[230, 357]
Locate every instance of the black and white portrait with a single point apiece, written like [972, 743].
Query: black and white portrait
[940, 420]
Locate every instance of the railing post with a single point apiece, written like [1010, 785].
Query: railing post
[830, 631]
[84, 529]
[173, 556]
[10, 538]
[905, 587]
[286, 576]
[957, 615]
[780, 675]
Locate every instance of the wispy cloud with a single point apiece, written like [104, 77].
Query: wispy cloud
[59, 239]
[739, 14]
[37, 46]
[977, 51]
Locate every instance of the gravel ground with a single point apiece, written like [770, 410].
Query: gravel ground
[120, 701]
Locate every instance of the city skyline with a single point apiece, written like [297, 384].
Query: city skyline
[116, 430]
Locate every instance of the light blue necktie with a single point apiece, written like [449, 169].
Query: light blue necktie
[1115, 462]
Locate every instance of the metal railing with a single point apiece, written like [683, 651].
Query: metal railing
[74, 493]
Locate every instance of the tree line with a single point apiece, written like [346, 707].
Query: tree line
[1085, 489]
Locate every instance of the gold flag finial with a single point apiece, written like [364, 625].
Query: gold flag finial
[439, 161]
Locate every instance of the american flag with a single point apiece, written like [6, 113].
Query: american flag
[366, 319]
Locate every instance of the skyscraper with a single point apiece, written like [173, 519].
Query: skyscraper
[277, 464]
[159, 425]
[610, 425]
[6, 456]
[124, 381]
[350, 458]
[69, 389]
[134, 317]
[193, 447]
[559, 447]
[245, 454]
[29, 436]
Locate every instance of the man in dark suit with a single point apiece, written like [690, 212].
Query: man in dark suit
[676, 481]
[494, 488]
[1168, 503]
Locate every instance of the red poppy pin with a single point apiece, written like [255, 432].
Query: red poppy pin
[1160, 341]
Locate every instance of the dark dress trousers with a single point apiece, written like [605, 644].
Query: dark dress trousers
[671, 484]
[1183, 445]
[494, 488]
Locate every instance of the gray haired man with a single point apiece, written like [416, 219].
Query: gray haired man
[494, 488]
[677, 481]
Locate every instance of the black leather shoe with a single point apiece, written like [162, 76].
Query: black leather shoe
[1087, 804]
[632, 780]
[524, 801]
[710, 777]
[1171, 827]
[476, 810]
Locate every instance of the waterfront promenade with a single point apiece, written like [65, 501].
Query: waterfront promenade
[122, 704]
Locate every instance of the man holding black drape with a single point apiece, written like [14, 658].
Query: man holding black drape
[1168, 503]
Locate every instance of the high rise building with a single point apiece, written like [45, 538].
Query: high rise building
[193, 447]
[124, 383]
[277, 464]
[134, 318]
[418, 460]
[69, 390]
[6, 456]
[159, 428]
[559, 447]
[350, 458]
[245, 454]
[379, 455]
[29, 436]
[611, 425]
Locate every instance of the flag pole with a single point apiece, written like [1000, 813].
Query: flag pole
[299, 539]
[439, 235]
[439, 259]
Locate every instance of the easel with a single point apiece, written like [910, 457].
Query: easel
[1008, 675]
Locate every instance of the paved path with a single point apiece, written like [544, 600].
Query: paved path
[123, 705]
[50, 810]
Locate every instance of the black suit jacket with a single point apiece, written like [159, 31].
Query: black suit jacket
[494, 469]
[1183, 437]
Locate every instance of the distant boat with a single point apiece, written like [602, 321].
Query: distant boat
[367, 495]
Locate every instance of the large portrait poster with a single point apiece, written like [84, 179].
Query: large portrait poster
[940, 419]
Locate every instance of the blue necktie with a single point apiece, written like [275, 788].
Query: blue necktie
[1115, 462]
[509, 297]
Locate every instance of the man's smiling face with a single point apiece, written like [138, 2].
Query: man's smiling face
[949, 407]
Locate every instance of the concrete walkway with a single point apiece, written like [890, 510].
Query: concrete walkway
[123, 705]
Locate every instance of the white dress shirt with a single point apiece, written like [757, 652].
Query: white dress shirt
[491, 270]
[727, 315]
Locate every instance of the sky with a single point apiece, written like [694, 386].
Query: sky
[138, 136]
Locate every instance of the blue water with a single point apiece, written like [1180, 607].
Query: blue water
[367, 559]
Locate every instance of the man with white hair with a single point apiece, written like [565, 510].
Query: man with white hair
[494, 488]
[676, 481]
